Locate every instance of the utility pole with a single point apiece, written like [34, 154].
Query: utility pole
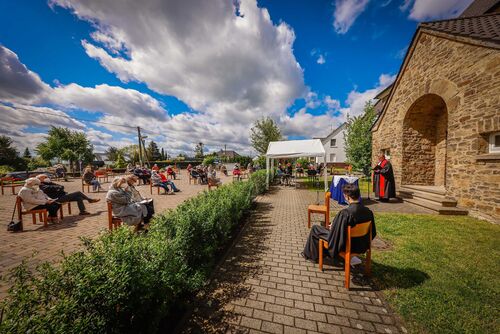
[139, 137]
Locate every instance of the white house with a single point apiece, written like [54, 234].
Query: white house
[334, 146]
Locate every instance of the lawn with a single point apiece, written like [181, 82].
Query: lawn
[442, 274]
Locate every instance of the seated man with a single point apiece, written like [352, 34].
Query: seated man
[168, 182]
[336, 234]
[56, 191]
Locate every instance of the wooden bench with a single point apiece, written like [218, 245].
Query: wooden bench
[113, 222]
[8, 182]
[321, 209]
[352, 232]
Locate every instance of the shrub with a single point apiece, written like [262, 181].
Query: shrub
[122, 282]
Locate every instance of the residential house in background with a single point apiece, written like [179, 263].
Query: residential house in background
[227, 154]
[334, 147]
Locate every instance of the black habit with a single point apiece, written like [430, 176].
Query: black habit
[336, 236]
[384, 185]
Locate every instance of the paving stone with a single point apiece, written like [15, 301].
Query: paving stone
[288, 294]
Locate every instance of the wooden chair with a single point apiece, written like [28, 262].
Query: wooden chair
[102, 175]
[8, 182]
[113, 222]
[42, 213]
[151, 188]
[191, 178]
[61, 213]
[352, 232]
[322, 209]
[211, 184]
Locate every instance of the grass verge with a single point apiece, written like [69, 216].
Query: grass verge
[442, 274]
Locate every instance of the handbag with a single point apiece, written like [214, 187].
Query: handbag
[14, 226]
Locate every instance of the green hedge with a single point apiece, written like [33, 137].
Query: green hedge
[123, 282]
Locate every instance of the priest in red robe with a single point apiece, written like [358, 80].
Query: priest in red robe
[383, 179]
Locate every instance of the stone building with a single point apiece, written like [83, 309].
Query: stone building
[440, 122]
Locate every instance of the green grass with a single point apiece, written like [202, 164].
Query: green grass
[442, 274]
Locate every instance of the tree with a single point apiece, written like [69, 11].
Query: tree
[153, 152]
[120, 160]
[112, 153]
[27, 153]
[9, 155]
[63, 143]
[163, 156]
[132, 151]
[265, 130]
[358, 139]
[198, 151]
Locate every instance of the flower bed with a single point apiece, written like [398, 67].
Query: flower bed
[123, 282]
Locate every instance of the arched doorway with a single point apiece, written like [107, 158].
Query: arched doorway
[425, 130]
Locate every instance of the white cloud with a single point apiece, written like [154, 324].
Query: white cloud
[200, 52]
[356, 100]
[306, 124]
[321, 60]
[332, 104]
[346, 12]
[17, 83]
[422, 10]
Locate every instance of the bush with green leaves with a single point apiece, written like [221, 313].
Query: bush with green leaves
[126, 283]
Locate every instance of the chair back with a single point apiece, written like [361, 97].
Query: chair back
[357, 231]
[327, 205]
[110, 215]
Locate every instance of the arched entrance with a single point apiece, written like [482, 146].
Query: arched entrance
[425, 130]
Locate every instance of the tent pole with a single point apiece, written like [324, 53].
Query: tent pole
[326, 174]
[267, 172]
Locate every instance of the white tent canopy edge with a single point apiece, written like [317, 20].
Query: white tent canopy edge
[306, 148]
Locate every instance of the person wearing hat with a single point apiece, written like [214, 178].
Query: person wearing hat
[35, 199]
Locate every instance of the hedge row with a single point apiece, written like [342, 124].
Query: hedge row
[123, 282]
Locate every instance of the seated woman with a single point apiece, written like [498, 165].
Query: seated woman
[130, 212]
[168, 182]
[90, 178]
[189, 168]
[170, 171]
[142, 173]
[212, 177]
[35, 199]
[237, 171]
[223, 169]
[158, 182]
[155, 167]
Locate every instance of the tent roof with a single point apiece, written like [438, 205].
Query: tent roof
[295, 149]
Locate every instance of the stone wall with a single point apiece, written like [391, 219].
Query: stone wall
[467, 78]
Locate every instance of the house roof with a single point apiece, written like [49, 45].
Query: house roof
[484, 27]
[334, 132]
[480, 7]
[385, 92]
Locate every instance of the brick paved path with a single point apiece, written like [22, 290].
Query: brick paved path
[263, 285]
[50, 241]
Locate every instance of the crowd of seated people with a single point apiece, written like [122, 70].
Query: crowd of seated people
[200, 173]
[142, 173]
[33, 198]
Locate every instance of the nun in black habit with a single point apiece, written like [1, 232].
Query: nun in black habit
[336, 235]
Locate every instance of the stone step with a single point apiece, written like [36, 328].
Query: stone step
[437, 208]
[436, 199]
[426, 189]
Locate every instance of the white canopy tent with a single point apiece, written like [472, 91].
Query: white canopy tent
[294, 149]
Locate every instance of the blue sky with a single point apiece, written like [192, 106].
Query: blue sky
[186, 77]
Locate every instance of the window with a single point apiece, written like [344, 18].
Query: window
[494, 142]
[333, 142]
[333, 157]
